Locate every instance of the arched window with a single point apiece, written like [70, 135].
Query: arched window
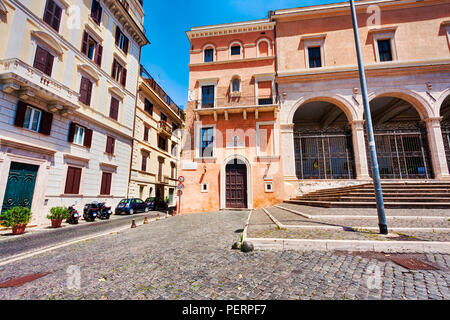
[236, 85]
[208, 53]
[263, 46]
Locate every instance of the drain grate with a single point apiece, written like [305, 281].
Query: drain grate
[17, 282]
[413, 264]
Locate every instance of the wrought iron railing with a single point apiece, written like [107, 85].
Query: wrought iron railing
[163, 125]
[236, 101]
[161, 93]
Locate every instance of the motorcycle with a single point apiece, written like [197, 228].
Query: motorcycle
[74, 215]
[90, 211]
[104, 212]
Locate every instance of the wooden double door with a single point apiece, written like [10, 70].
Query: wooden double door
[236, 186]
[20, 186]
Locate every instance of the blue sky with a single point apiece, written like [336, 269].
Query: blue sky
[166, 23]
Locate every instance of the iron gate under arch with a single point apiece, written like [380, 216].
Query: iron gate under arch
[402, 153]
[324, 155]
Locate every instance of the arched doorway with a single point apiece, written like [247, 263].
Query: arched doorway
[236, 184]
[445, 127]
[401, 140]
[322, 142]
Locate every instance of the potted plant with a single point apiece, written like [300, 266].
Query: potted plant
[57, 215]
[16, 218]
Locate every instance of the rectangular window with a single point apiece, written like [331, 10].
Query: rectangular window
[96, 11]
[32, 119]
[148, 107]
[43, 60]
[105, 188]
[110, 143]
[119, 73]
[73, 180]
[207, 96]
[144, 162]
[207, 142]
[163, 117]
[160, 171]
[85, 91]
[92, 49]
[236, 50]
[146, 133]
[384, 50]
[162, 143]
[209, 55]
[121, 40]
[314, 57]
[78, 137]
[52, 14]
[173, 152]
[114, 109]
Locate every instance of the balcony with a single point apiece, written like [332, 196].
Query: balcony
[16, 75]
[164, 128]
[236, 104]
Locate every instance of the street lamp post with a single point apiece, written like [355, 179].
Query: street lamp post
[373, 152]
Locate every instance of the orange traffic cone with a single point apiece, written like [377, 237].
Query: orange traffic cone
[145, 220]
[157, 217]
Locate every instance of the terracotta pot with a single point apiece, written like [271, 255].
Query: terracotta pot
[19, 228]
[56, 223]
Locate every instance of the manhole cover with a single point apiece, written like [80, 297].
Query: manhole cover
[413, 264]
[17, 282]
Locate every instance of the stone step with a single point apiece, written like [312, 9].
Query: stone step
[372, 195]
[371, 204]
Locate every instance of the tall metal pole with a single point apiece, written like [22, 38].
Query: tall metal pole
[373, 152]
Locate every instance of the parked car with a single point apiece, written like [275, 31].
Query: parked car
[132, 206]
[156, 203]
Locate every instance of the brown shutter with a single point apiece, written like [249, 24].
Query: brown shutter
[49, 64]
[85, 43]
[76, 181]
[48, 14]
[40, 58]
[83, 90]
[145, 134]
[88, 138]
[124, 77]
[110, 142]
[71, 132]
[114, 109]
[73, 180]
[89, 92]
[98, 59]
[105, 188]
[20, 114]
[69, 181]
[125, 44]
[113, 145]
[114, 69]
[56, 18]
[144, 163]
[46, 123]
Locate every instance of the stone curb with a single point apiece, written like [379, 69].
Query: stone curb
[350, 245]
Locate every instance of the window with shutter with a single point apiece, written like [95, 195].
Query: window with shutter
[148, 106]
[43, 61]
[123, 80]
[92, 48]
[121, 40]
[73, 180]
[105, 188]
[85, 91]
[144, 162]
[119, 73]
[52, 14]
[114, 109]
[96, 11]
[110, 142]
[145, 133]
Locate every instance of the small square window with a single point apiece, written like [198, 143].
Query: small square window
[236, 50]
[205, 187]
[315, 60]
[209, 55]
[268, 187]
[384, 50]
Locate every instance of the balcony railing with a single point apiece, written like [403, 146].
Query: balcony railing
[237, 101]
[163, 126]
[17, 75]
[161, 93]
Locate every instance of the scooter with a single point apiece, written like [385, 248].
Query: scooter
[74, 216]
[104, 212]
[90, 211]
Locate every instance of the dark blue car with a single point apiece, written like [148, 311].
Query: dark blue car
[132, 206]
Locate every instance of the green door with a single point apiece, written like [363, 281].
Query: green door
[20, 187]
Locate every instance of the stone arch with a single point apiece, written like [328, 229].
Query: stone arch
[337, 100]
[421, 105]
[443, 96]
[223, 178]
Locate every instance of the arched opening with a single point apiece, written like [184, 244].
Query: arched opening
[322, 142]
[236, 184]
[400, 139]
[445, 127]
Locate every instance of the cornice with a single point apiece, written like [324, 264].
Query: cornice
[204, 64]
[231, 28]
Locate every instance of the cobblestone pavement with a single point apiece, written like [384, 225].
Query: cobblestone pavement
[189, 257]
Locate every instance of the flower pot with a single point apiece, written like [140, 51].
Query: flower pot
[19, 228]
[56, 223]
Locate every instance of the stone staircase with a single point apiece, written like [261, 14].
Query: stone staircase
[396, 195]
